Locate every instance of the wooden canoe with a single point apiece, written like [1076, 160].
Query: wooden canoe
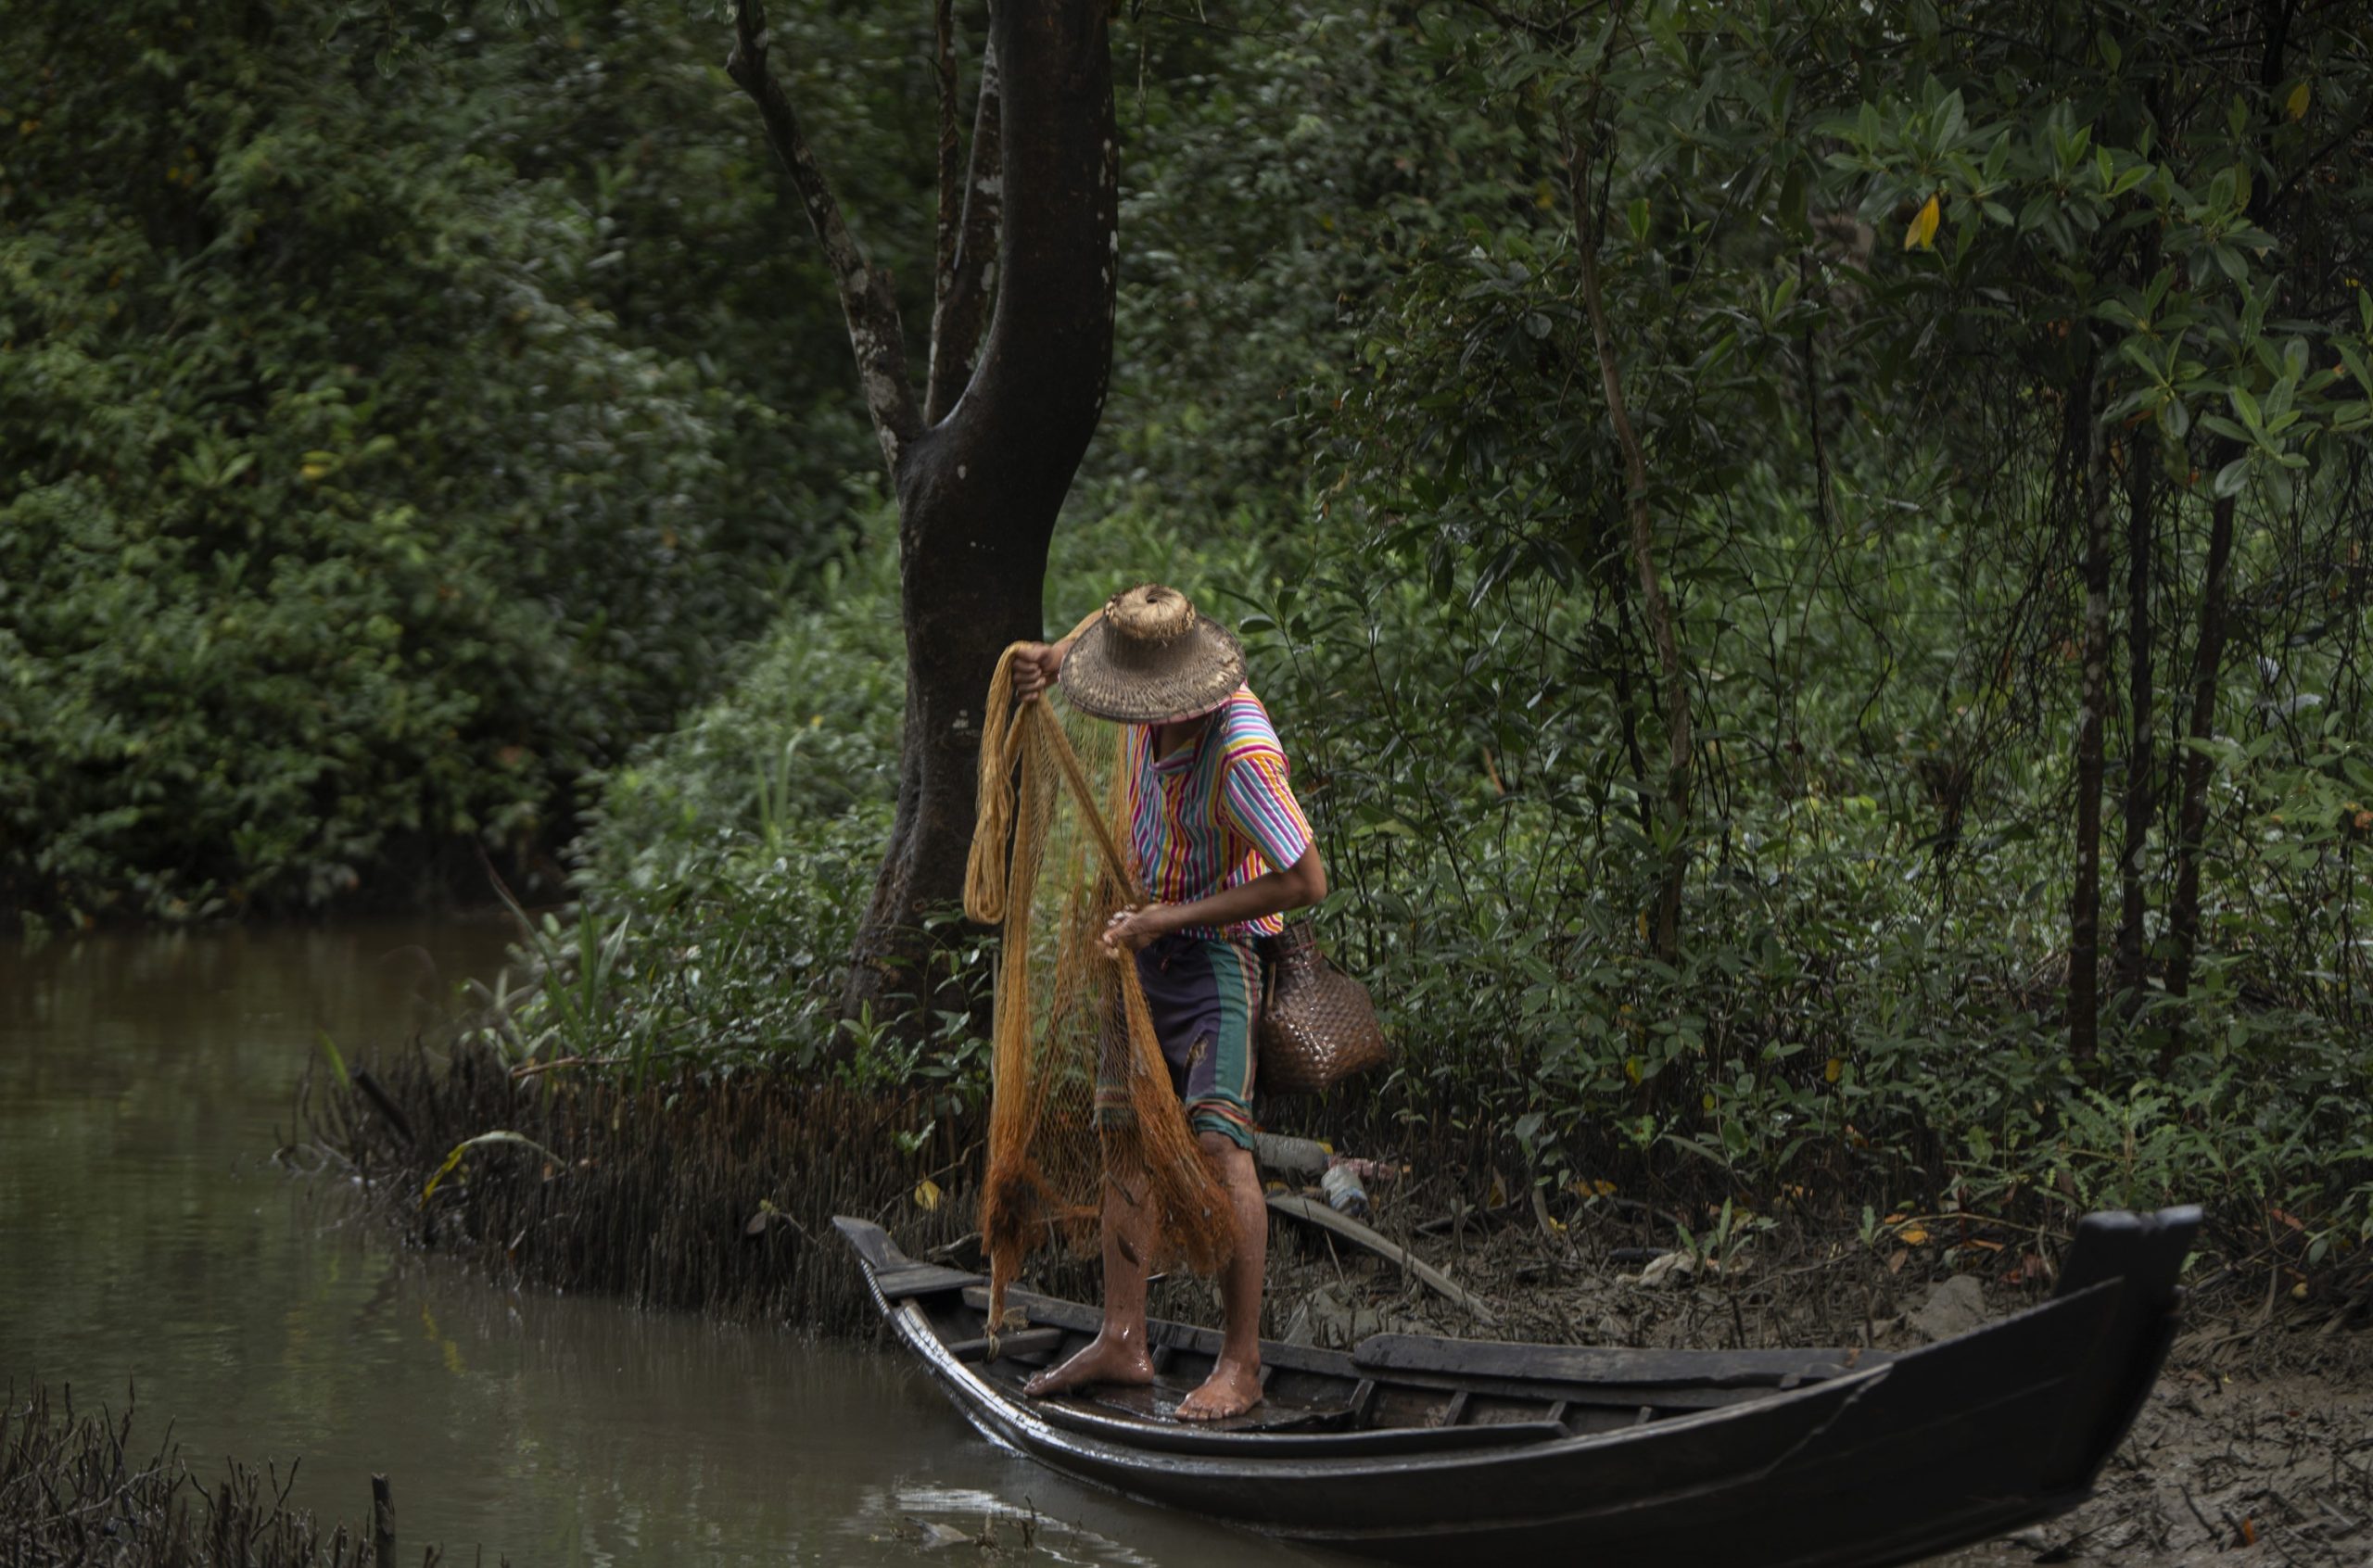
[1429, 1451]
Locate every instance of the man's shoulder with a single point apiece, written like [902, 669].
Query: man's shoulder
[1244, 725]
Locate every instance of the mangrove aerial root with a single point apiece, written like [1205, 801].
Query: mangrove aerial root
[648, 1193]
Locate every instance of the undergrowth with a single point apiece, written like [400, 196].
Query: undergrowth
[1860, 1018]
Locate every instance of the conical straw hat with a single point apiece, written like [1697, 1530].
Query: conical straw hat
[1152, 659]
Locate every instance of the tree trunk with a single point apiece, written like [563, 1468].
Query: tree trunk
[2085, 912]
[2141, 756]
[2208, 669]
[1655, 609]
[981, 462]
[979, 491]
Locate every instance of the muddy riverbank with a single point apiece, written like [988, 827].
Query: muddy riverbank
[2257, 1446]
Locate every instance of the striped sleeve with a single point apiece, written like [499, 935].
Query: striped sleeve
[1255, 794]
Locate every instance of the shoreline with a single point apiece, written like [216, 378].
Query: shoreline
[717, 1198]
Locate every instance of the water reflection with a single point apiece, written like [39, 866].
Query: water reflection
[147, 1236]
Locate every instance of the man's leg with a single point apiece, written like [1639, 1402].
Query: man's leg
[1117, 1354]
[1233, 1387]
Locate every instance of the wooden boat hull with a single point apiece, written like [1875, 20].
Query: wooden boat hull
[1426, 1450]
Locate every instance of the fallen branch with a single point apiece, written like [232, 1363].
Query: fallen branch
[1311, 1212]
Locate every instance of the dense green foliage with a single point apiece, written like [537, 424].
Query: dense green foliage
[1881, 623]
[1992, 363]
[378, 446]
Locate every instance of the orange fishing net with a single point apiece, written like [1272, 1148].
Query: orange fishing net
[1046, 867]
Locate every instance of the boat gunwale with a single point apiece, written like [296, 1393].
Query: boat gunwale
[1266, 1447]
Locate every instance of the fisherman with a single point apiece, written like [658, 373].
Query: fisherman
[1224, 850]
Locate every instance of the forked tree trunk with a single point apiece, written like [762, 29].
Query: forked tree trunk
[2208, 665]
[981, 463]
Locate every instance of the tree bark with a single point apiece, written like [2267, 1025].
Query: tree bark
[2208, 669]
[1655, 609]
[968, 247]
[979, 490]
[2085, 912]
[2141, 756]
[981, 469]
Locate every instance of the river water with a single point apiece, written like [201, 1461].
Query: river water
[149, 1241]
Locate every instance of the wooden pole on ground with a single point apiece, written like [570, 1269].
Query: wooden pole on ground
[383, 1524]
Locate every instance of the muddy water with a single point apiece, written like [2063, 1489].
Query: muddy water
[149, 1240]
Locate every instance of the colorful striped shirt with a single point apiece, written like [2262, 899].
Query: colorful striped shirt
[1216, 813]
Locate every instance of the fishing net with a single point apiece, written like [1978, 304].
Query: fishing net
[1046, 867]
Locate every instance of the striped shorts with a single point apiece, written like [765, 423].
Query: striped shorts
[1204, 994]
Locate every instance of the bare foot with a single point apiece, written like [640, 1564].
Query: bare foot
[1233, 1388]
[1104, 1360]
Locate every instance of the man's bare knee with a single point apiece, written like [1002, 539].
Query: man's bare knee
[1229, 1160]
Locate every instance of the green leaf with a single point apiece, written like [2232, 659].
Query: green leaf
[2230, 479]
[1949, 120]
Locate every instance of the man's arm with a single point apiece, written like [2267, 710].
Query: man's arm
[1272, 892]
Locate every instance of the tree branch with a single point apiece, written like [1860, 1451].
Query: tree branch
[951, 158]
[1654, 608]
[2085, 907]
[868, 303]
[968, 251]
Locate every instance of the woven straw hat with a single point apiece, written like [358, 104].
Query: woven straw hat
[1152, 659]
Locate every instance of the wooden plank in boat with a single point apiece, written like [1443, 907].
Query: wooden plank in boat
[1606, 1368]
[1168, 1338]
[1177, 1337]
[1028, 1342]
[1109, 1414]
[920, 1278]
[1158, 1401]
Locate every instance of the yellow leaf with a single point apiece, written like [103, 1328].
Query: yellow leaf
[1708, 1102]
[1631, 1069]
[1921, 235]
[927, 1194]
[2296, 105]
[1837, 1066]
[1912, 1235]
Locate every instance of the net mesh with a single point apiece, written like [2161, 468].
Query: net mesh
[1048, 870]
